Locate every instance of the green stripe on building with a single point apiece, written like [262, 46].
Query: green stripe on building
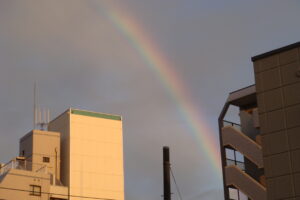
[93, 114]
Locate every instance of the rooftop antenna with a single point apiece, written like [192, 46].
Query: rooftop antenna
[34, 106]
[41, 117]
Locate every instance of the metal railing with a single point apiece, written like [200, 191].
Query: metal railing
[228, 123]
[239, 164]
[23, 165]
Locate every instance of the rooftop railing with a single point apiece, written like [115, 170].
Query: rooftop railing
[23, 165]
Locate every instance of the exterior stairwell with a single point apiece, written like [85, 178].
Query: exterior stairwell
[250, 149]
[240, 142]
[239, 179]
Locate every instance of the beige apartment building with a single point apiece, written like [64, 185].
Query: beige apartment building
[261, 155]
[79, 157]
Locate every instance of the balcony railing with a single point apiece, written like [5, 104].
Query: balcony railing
[229, 161]
[23, 165]
[228, 123]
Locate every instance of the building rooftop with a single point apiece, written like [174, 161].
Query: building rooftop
[275, 51]
[243, 97]
[90, 114]
[95, 114]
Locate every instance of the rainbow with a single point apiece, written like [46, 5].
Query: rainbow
[157, 62]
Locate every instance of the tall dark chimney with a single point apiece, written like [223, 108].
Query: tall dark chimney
[166, 164]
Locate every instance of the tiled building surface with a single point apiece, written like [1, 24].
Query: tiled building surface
[277, 78]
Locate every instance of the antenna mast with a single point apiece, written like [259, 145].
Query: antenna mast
[34, 105]
[41, 117]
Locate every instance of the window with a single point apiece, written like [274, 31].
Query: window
[235, 194]
[46, 159]
[35, 190]
[234, 158]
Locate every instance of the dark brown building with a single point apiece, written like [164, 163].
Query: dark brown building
[268, 137]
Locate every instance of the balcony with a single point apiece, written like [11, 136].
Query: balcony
[233, 138]
[22, 164]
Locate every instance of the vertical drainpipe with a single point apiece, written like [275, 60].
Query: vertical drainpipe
[166, 166]
[55, 166]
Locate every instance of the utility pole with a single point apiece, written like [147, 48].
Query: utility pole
[166, 166]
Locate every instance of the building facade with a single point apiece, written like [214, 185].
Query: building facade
[92, 144]
[268, 136]
[79, 157]
[34, 175]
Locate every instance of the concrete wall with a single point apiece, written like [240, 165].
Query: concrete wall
[96, 157]
[247, 126]
[92, 154]
[25, 146]
[16, 185]
[61, 124]
[42, 144]
[278, 95]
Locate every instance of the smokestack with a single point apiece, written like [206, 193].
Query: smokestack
[166, 165]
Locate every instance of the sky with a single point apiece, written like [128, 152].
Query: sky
[165, 66]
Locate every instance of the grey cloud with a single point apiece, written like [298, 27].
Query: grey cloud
[80, 60]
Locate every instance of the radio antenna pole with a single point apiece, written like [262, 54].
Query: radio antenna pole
[34, 106]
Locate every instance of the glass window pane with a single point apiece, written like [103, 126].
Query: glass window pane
[229, 154]
[230, 162]
[239, 156]
[35, 190]
[243, 196]
[241, 165]
[233, 193]
[46, 159]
